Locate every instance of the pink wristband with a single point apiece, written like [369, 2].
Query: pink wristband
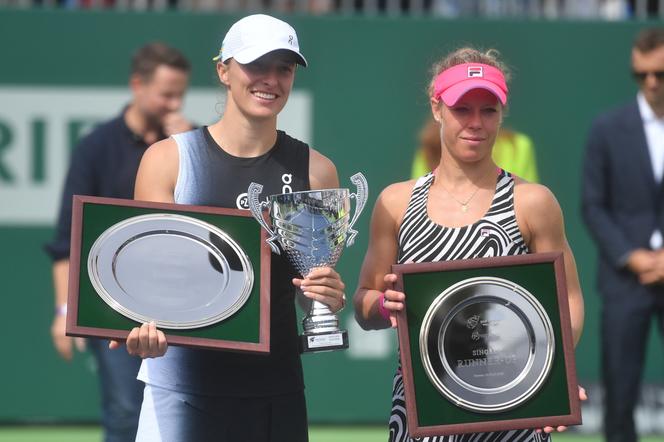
[385, 313]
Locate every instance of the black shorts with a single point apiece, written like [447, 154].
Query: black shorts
[171, 416]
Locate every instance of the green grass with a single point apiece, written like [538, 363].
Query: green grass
[50, 434]
[316, 434]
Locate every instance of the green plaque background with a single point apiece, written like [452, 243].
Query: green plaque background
[243, 326]
[432, 407]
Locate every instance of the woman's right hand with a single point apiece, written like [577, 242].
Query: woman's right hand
[145, 341]
[394, 300]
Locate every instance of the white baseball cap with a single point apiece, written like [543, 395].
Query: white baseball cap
[255, 35]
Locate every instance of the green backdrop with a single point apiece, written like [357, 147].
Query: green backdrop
[367, 77]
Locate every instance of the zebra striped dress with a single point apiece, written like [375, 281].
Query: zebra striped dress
[422, 240]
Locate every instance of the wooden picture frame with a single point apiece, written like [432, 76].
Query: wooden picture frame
[429, 413]
[88, 315]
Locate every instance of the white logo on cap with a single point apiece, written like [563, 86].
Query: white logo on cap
[475, 71]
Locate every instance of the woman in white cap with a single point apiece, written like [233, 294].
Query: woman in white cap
[466, 208]
[199, 395]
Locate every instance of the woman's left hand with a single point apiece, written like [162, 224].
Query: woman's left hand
[582, 396]
[323, 284]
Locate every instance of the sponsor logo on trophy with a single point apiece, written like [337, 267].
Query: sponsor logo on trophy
[313, 227]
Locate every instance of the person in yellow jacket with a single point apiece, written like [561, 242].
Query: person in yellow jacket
[513, 151]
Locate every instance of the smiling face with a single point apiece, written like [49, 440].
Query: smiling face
[469, 128]
[259, 89]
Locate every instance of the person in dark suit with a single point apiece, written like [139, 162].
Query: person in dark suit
[104, 163]
[623, 208]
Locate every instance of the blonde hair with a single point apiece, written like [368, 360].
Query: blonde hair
[467, 54]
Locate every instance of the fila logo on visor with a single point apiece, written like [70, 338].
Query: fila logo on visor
[475, 71]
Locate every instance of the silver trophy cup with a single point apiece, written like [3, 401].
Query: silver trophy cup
[313, 227]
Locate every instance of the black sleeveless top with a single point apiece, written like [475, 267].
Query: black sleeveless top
[210, 176]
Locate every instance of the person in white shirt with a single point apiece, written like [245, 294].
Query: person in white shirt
[623, 208]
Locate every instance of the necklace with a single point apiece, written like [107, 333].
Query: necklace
[464, 204]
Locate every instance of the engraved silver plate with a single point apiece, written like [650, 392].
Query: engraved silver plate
[178, 271]
[487, 344]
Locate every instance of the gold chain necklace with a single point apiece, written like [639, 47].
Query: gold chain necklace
[464, 204]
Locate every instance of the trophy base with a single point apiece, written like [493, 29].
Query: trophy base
[325, 341]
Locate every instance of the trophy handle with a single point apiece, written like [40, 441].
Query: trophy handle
[360, 200]
[256, 208]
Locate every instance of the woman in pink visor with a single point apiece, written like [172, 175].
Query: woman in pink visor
[466, 208]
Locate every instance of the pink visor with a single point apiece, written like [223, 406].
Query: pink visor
[452, 83]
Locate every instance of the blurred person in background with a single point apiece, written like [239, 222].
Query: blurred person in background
[192, 394]
[104, 163]
[623, 208]
[466, 208]
[512, 151]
